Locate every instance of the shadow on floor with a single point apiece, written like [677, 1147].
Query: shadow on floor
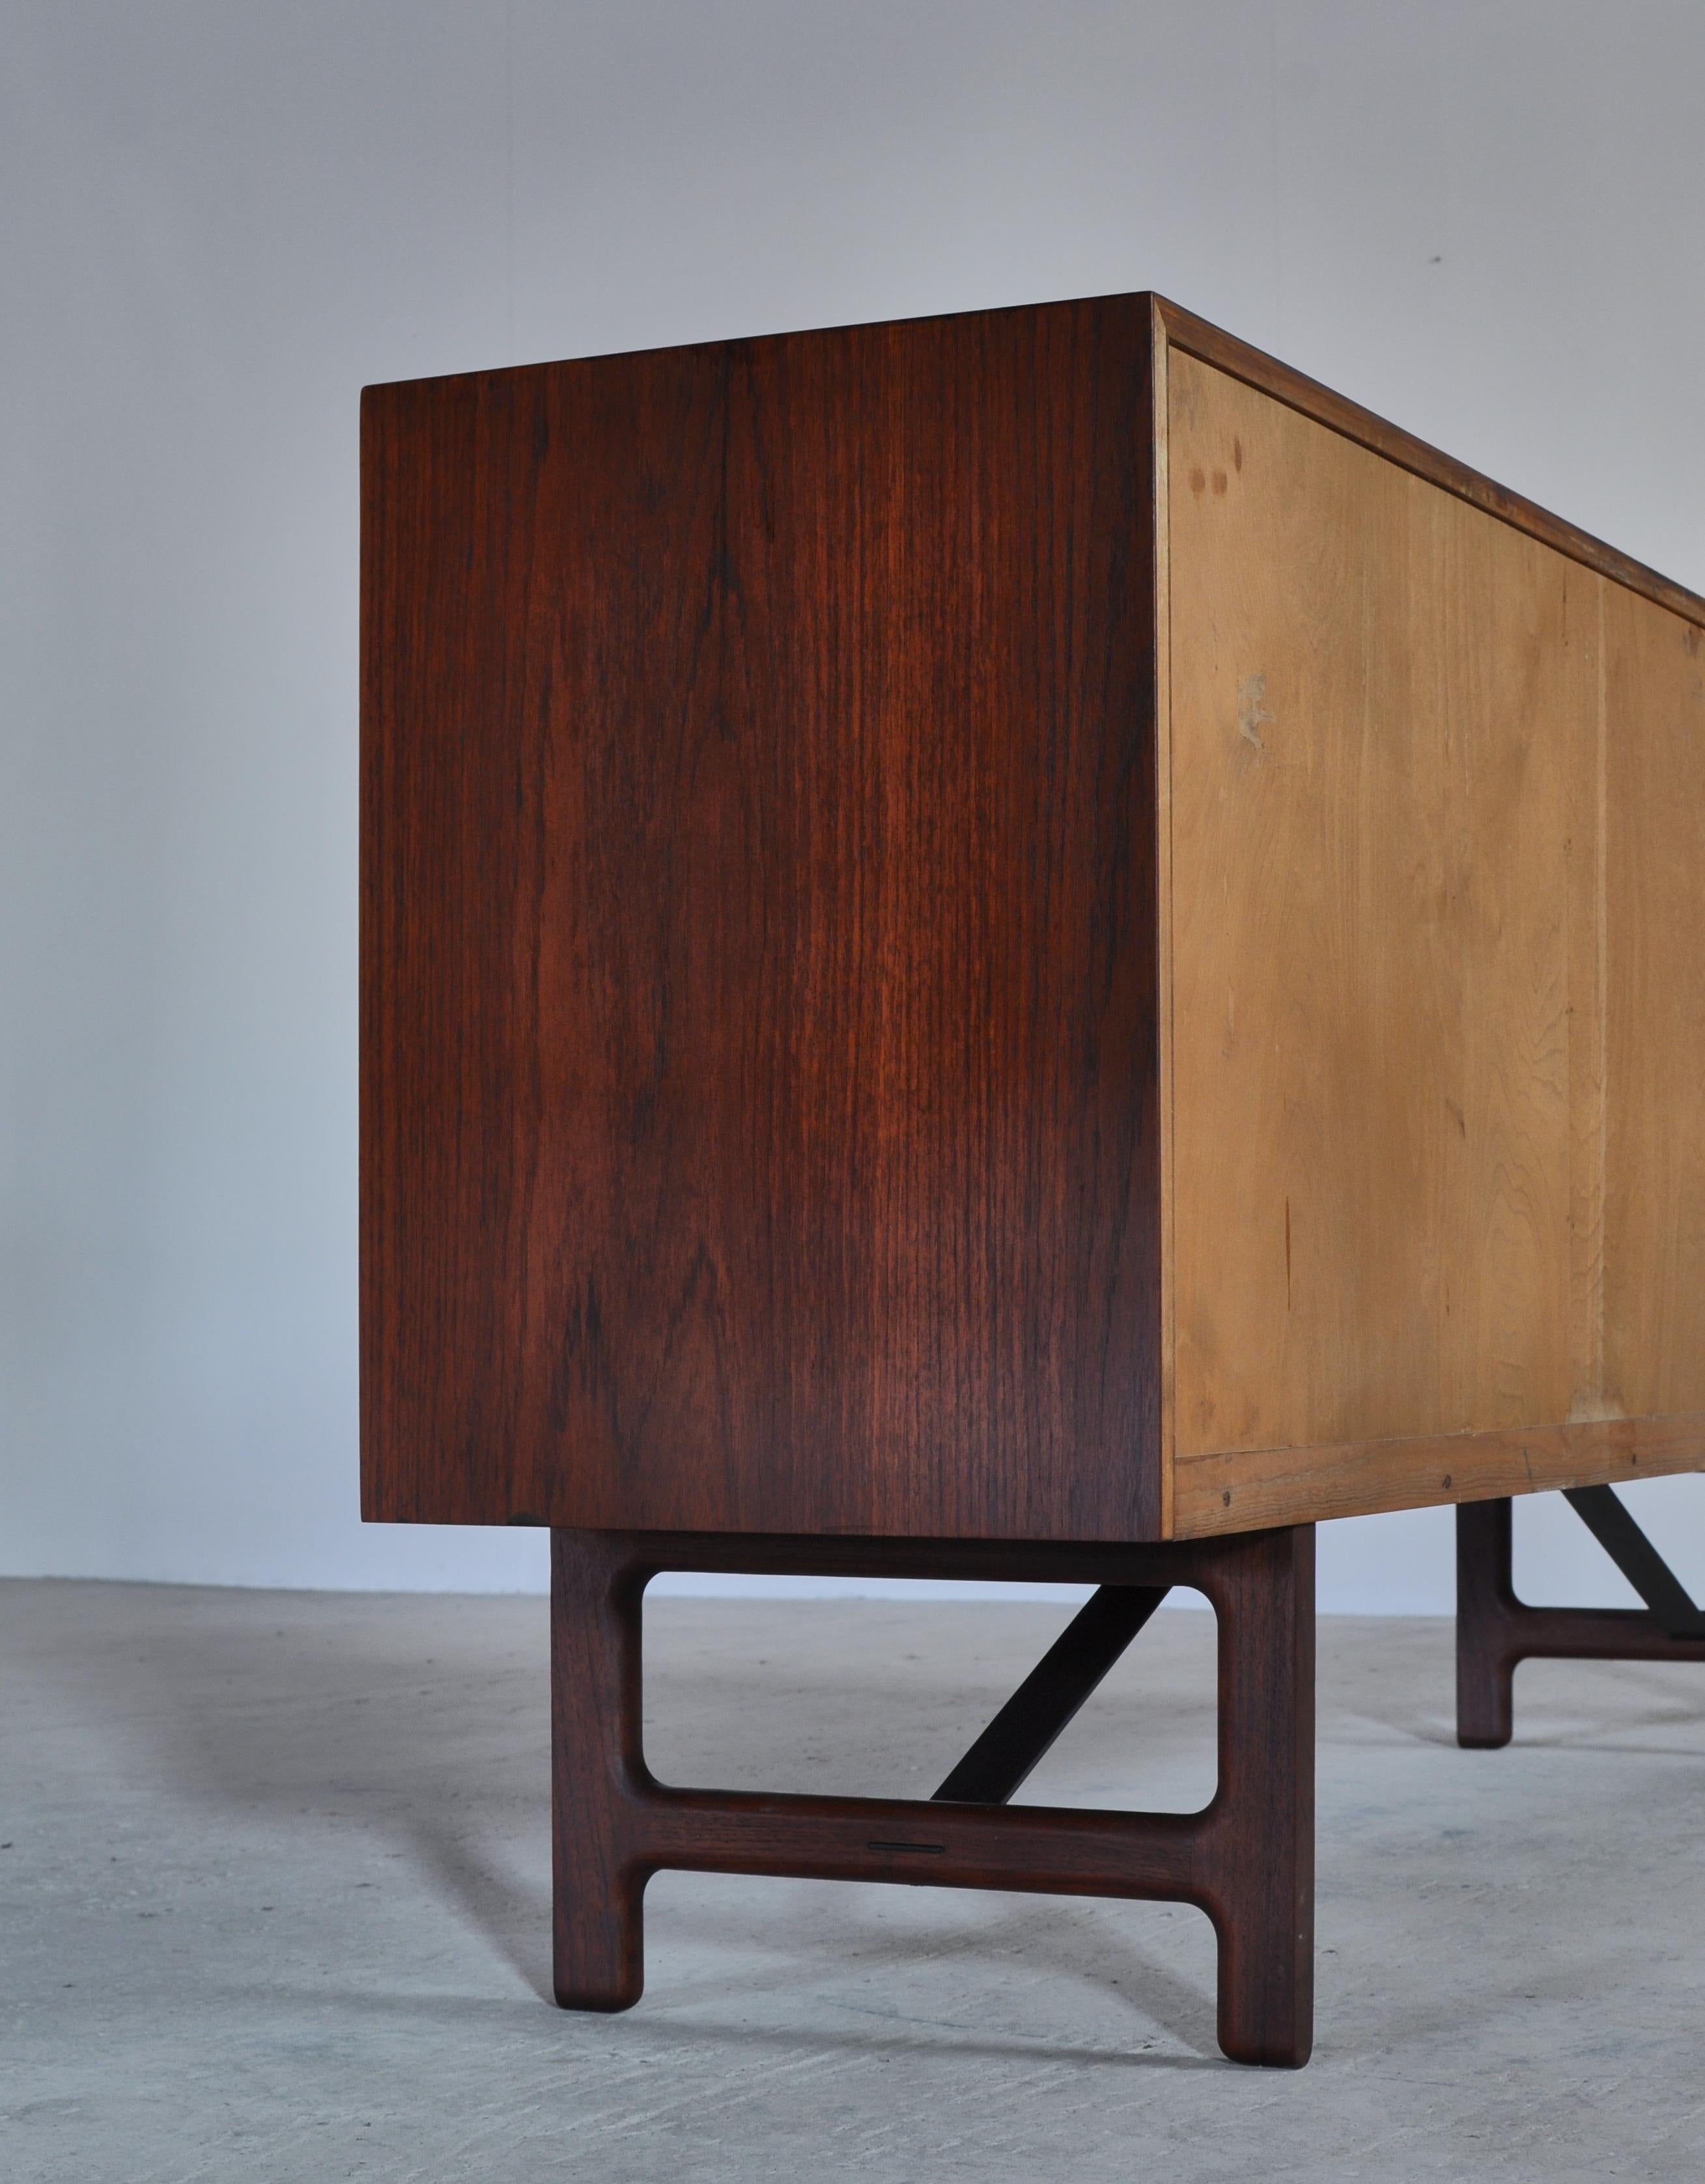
[425, 1721]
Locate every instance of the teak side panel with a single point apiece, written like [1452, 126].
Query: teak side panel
[1436, 1104]
[758, 1086]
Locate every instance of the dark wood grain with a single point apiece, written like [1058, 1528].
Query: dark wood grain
[759, 1058]
[1247, 1858]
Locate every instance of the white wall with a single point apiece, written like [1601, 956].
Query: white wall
[218, 218]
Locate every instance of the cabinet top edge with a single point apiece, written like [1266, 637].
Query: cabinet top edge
[1171, 326]
[1142, 302]
[1182, 329]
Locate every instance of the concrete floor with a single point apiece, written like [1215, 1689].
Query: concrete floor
[274, 1904]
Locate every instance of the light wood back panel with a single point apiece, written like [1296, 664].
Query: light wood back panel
[1436, 1132]
[1653, 1343]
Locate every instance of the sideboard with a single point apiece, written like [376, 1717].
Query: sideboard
[1018, 945]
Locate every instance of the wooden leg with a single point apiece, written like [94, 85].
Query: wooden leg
[597, 1769]
[1263, 1866]
[1486, 1608]
[1248, 1859]
[1494, 1629]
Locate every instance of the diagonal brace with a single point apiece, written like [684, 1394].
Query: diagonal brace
[1610, 1523]
[1051, 1695]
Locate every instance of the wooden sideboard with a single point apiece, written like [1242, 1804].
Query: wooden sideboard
[1012, 935]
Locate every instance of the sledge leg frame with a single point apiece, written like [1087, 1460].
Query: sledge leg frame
[1247, 1858]
[1495, 1630]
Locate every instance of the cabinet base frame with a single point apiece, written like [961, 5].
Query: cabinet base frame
[1247, 1858]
